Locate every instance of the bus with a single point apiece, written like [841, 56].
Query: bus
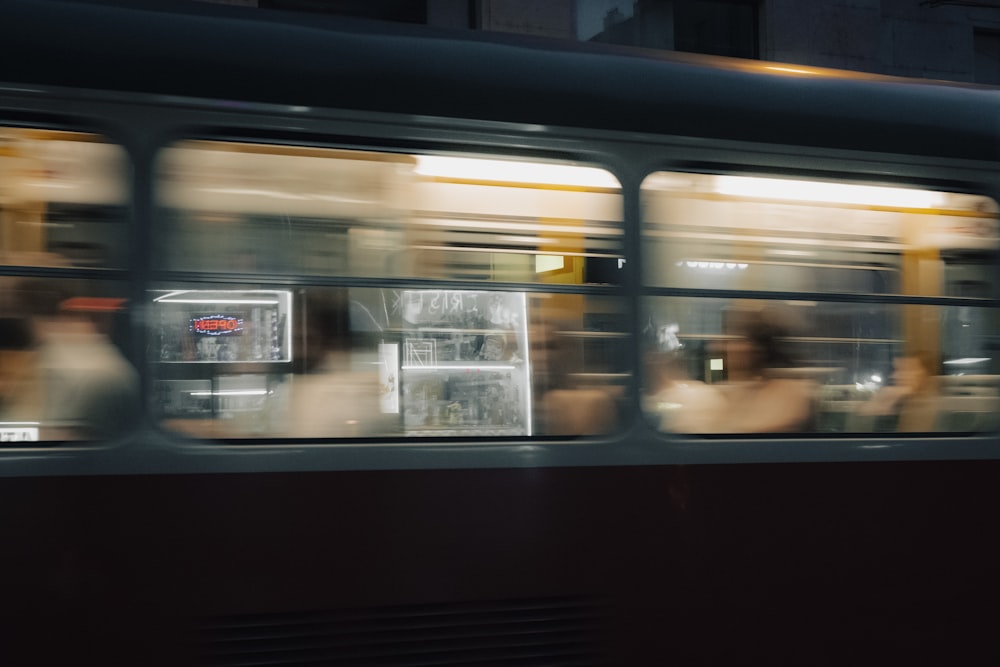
[326, 341]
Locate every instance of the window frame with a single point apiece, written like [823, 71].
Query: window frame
[751, 165]
[488, 149]
[122, 275]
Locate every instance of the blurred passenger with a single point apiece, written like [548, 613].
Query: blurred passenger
[88, 386]
[911, 403]
[563, 407]
[675, 401]
[329, 398]
[761, 394]
[20, 388]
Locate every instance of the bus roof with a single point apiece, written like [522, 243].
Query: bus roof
[252, 55]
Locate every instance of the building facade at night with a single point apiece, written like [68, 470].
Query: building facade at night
[956, 40]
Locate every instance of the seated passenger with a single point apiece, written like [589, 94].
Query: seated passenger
[761, 395]
[88, 387]
[675, 401]
[330, 399]
[911, 403]
[563, 407]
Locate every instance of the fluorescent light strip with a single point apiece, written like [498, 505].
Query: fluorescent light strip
[967, 361]
[277, 194]
[830, 193]
[170, 298]
[514, 251]
[461, 225]
[731, 266]
[171, 294]
[514, 172]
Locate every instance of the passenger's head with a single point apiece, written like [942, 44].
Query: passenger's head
[551, 355]
[914, 371]
[760, 343]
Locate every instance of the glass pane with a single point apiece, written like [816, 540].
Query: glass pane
[63, 375]
[750, 366]
[361, 362]
[737, 232]
[62, 199]
[255, 208]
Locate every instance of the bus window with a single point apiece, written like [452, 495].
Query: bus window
[831, 307]
[64, 324]
[63, 375]
[387, 351]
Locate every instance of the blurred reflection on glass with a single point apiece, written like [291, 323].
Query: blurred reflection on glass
[256, 208]
[62, 197]
[221, 357]
[85, 386]
[360, 362]
[463, 369]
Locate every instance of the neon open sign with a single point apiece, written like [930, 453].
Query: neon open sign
[217, 325]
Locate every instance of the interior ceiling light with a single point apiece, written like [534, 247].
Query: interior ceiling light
[825, 192]
[508, 171]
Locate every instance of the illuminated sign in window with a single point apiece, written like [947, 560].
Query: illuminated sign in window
[217, 325]
[18, 432]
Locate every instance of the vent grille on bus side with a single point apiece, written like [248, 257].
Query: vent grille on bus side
[558, 632]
